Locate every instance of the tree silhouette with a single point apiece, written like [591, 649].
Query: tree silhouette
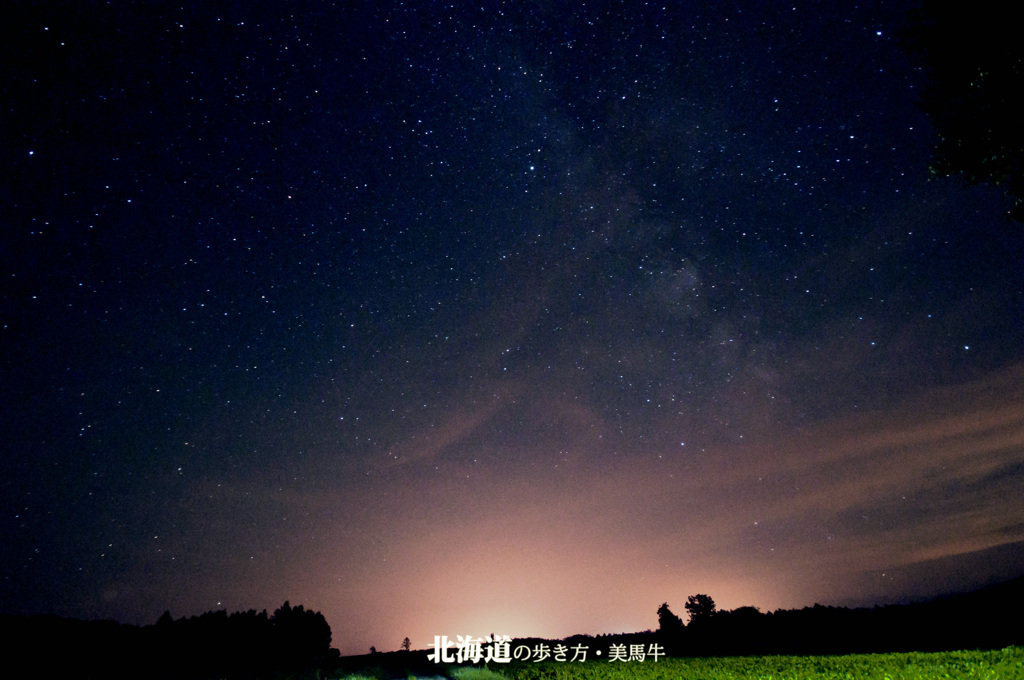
[700, 608]
[302, 636]
[975, 68]
[667, 621]
[406, 644]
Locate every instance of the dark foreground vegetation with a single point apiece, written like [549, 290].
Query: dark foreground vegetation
[986, 619]
[1004, 664]
[294, 642]
[989, 619]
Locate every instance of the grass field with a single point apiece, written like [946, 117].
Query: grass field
[1005, 664]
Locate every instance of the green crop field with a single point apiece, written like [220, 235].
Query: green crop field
[1005, 664]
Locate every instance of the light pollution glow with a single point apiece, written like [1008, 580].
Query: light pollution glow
[777, 521]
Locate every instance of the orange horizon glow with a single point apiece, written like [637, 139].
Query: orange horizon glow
[551, 557]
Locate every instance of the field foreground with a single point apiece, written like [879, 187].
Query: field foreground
[1005, 664]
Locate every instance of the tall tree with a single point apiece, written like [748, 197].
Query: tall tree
[667, 621]
[700, 608]
[302, 636]
[974, 61]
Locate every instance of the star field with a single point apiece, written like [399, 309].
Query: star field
[512, 318]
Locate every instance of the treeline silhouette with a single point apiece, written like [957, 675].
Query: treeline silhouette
[293, 641]
[986, 619]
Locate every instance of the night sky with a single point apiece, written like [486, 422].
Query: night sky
[517, 318]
